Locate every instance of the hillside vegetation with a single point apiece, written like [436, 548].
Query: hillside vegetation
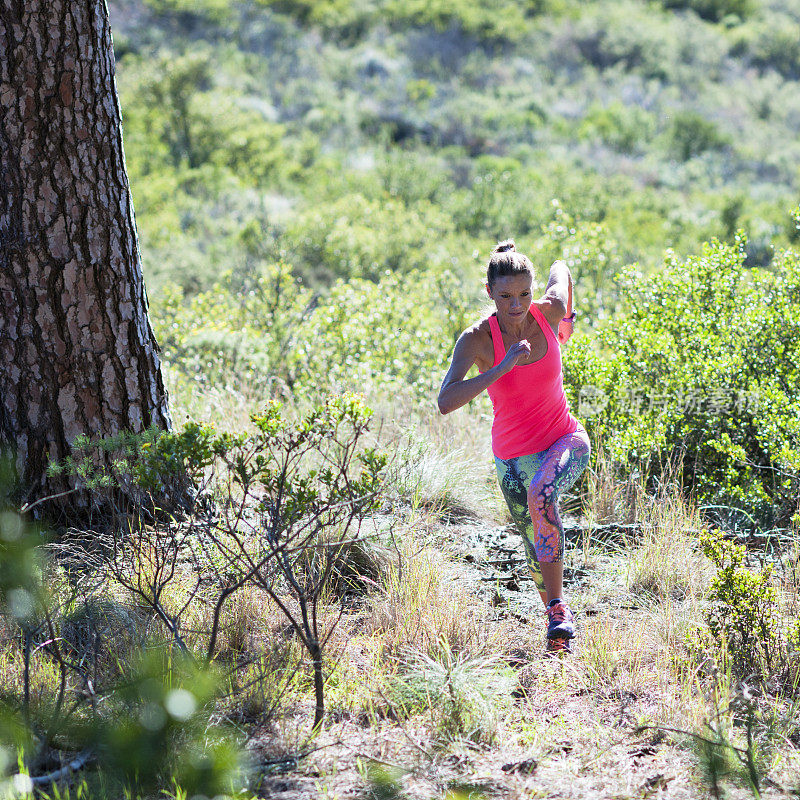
[354, 137]
[320, 179]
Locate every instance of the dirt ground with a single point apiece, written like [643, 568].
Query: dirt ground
[576, 729]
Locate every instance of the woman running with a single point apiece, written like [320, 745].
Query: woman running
[540, 449]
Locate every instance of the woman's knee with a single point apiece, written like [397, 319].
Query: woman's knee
[540, 494]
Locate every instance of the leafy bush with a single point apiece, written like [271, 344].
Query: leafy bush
[177, 119]
[591, 254]
[351, 19]
[146, 721]
[494, 20]
[743, 617]
[381, 338]
[624, 35]
[772, 45]
[701, 369]
[213, 10]
[155, 730]
[713, 10]
[625, 128]
[690, 134]
[356, 237]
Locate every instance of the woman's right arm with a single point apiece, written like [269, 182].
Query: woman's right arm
[457, 392]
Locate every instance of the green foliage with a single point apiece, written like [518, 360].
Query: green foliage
[379, 337]
[700, 369]
[326, 492]
[155, 730]
[213, 10]
[494, 20]
[491, 21]
[714, 10]
[357, 237]
[742, 616]
[627, 129]
[591, 254]
[384, 784]
[346, 19]
[463, 695]
[21, 590]
[402, 147]
[176, 108]
[152, 727]
[151, 467]
[270, 122]
[250, 336]
[772, 44]
[624, 35]
[690, 134]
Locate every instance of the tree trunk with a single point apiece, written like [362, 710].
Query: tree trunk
[77, 352]
[319, 683]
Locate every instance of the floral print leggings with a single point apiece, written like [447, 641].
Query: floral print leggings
[532, 486]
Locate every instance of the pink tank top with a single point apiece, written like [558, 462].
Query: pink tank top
[530, 407]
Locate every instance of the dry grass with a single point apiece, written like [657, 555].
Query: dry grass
[426, 602]
[610, 498]
[224, 407]
[666, 561]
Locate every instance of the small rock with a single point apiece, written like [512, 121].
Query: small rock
[526, 767]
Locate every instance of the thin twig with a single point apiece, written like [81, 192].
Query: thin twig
[26, 507]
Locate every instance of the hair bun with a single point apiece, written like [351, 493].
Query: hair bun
[505, 246]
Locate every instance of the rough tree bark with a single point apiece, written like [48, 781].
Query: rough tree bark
[77, 352]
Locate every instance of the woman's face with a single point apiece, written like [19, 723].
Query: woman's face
[512, 295]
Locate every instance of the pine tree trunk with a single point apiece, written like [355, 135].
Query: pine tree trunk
[77, 352]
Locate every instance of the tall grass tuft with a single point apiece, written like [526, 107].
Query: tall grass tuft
[464, 696]
[611, 498]
[424, 604]
[446, 482]
[666, 561]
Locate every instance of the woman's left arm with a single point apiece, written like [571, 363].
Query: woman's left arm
[557, 301]
[556, 294]
[567, 324]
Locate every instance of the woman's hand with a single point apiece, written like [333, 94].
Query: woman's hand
[457, 390]
[514, 353]
[565, 328]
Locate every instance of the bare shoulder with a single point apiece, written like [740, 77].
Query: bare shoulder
[475, 344]
[553, 309]
[484, 347]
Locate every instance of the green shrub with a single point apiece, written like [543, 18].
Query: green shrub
[155, 730]
[625, 35]
[742, 616]
[176, 118]
[591, 254]
[773, 44]
[380, 338]
[213, 10]
[494, 20]
[347, 20]
[690, 134]
[627, 129]
[713, 10]
[701, 370]
[357, 237]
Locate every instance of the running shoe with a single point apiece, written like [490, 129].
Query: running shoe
[560, 620]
